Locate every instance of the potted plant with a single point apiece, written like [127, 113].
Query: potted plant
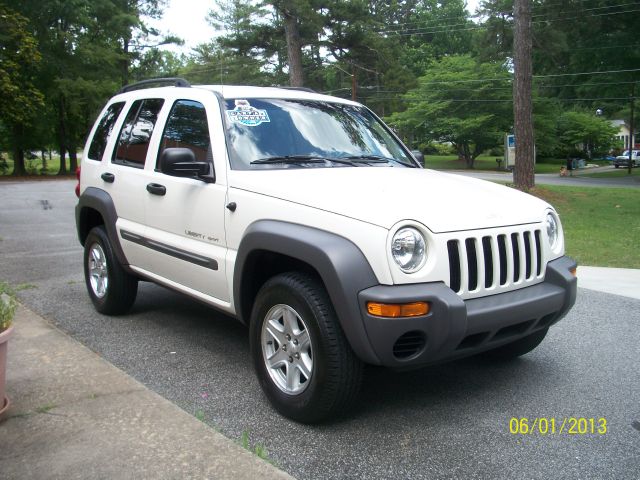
[8, 307]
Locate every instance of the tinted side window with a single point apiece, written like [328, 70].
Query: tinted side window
[187, 128]
[135, 135]
[100, 138]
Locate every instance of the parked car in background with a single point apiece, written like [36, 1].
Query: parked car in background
[623, 160]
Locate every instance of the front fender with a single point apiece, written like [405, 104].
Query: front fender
[340, 264]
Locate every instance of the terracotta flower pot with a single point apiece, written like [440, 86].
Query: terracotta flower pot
[4, 339]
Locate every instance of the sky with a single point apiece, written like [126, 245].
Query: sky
[188, 20]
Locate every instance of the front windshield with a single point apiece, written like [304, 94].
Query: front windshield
[287, 133]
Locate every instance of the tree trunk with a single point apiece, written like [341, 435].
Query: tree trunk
[468, 158]
[18, 152]
[524, 171]
[63, 161]
[43, 171]
[294, 47]
[73, 159]
[125, 61]
[18, 162]
[62, 137]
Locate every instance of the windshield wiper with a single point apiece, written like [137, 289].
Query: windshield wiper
[288, 159]
[352, 160]
[371, 158]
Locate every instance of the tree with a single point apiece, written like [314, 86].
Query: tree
[19, 97]
[87, 49]
[571, 39]
[524, 172]
[290, 15]
[462, 102]
[247, 51]
[155, 63]
[584, 131]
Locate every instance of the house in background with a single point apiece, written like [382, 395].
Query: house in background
[623, 133]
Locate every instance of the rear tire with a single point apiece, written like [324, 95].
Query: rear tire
[111, 289]
[517, 348]
[304, 363]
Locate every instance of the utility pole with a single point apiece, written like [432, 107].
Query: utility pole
[524, 171]
[631, 126]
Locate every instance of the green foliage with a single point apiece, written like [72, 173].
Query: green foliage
[156, 63]
[423, 64]
[19, 59]
[584, 130]
[459, 101]
[8, 305]
[20, 98]
[572, 37]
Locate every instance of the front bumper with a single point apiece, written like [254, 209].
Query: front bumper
[457, 328]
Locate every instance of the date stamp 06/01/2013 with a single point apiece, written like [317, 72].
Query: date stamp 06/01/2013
[558, 426]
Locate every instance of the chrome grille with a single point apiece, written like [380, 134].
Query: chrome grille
[483, 264]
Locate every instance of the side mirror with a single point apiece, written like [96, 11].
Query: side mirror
[181, 162]
[418, 155]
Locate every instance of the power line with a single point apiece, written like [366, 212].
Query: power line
[463, 89]
[447, 29]
[587, 73]
[468, 100]
[535, 76]
[437, 22]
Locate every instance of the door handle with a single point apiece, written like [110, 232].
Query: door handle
[108, 177]
[156, 189]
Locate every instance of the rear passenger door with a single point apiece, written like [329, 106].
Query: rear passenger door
[124, 177]
[185, 216]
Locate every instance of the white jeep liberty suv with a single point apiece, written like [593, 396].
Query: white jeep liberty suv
[306, 218]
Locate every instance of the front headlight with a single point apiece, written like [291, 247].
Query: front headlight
[409, 249]
[553, 230]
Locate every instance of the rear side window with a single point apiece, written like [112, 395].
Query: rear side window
[105, 126]
[135, 135]
[187, 128]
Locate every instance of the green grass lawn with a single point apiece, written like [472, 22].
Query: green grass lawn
[34, 167]
[484, 162]
[601, 225]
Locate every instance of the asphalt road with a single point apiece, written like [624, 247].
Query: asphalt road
[448, 421]
[555, 179]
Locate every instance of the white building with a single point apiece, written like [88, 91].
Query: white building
[623, 132]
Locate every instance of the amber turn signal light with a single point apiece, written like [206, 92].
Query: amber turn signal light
[395, 310]
[573, 271]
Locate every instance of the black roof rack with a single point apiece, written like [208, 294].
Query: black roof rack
[175, 81]
[302, 89]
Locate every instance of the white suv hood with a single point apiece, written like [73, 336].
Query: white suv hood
[384, 196]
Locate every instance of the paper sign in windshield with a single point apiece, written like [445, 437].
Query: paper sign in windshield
[247, 115]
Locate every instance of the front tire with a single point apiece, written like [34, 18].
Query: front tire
[111, 289]
[304, 363]
[519, 347]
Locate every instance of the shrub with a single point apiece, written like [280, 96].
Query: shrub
[8, 306]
